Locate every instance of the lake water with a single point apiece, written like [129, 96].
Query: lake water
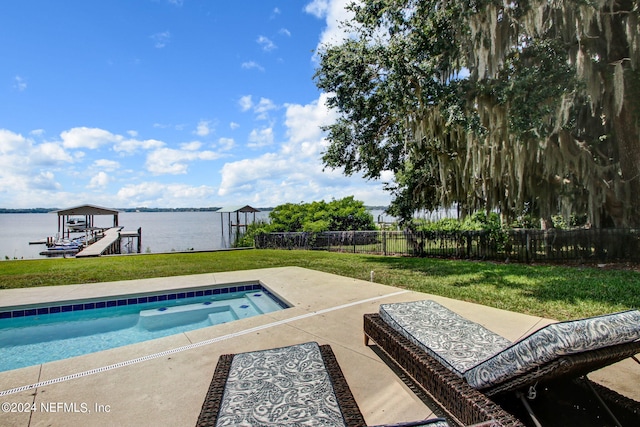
[161, 231]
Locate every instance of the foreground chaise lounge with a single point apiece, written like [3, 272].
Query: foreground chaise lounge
[461, 364]
[299, 385]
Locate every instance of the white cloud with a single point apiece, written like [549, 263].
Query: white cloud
[106, 164]
[243, 175]
[334, 12]
[10, 141]
[226, 144]
[304, 124]
[160, 194]
[260, 138]
[245, 103]
[83, 137]
[262, 109]
[19, 83]
[99, 180]
[266, 43]
[45, 180]
[387, 176]
[24, 168]
[203, 128]
[174, 162]
[161, 39]
[191, 146]
[130, 146]
[274, 178]
[50, 153]
[137, 192]
[234, 125]
[294, 171]
[317, 8]
[284, 32]
[249, 65]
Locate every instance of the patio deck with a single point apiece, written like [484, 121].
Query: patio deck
[164, 381]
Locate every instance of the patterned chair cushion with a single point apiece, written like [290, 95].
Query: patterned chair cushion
[486, 359]
[280, 387]
[555, 340]
[458, 343]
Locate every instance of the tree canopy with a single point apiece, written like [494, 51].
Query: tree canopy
[521, 106]
[337, 215]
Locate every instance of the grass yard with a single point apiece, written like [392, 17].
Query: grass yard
[551, 291]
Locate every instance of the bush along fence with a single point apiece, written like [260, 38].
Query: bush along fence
[518, 245]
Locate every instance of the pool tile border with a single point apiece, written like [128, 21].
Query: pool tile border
[122, 300]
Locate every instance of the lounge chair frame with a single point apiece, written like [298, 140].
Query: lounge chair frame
[463, 404]
[467, 405]
[348, 406]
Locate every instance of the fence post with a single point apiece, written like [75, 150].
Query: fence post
[384, 242]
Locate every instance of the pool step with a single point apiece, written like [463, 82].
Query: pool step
[222, 317]
[262, 302]
[169, 317]
[216, 312]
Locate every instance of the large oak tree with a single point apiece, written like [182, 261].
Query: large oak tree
[519, 106]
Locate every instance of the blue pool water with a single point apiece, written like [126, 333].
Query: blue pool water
[35, 339]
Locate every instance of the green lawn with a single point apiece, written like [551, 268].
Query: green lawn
[550, 291]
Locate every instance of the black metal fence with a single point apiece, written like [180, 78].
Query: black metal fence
[519, 245]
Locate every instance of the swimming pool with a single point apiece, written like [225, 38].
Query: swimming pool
[38, 334]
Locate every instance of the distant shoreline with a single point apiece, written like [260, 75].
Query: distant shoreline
[50, 210]
[210, 209]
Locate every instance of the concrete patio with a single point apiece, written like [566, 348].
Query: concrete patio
[164, 381]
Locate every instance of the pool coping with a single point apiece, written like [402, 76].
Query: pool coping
[21, 311]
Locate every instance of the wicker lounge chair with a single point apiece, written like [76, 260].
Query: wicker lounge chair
[462, 365]
[296, 385]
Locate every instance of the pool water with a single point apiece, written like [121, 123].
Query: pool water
[32, 340]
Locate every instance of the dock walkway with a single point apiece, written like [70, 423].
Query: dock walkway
[107, 244]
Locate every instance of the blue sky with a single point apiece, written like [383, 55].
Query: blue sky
[166, 103]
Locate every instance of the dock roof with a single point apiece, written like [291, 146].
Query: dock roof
[87, 210]
[245, 208]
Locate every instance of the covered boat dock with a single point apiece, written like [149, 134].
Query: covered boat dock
[102, 240]
[237, 210]
[85, 211]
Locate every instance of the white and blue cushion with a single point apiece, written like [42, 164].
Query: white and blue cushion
[458, 343]
[556, 340]
[486, 359]
[286, 386]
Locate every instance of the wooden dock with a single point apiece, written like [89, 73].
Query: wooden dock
[109, 244]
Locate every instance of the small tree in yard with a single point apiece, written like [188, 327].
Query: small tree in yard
[338, 215]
